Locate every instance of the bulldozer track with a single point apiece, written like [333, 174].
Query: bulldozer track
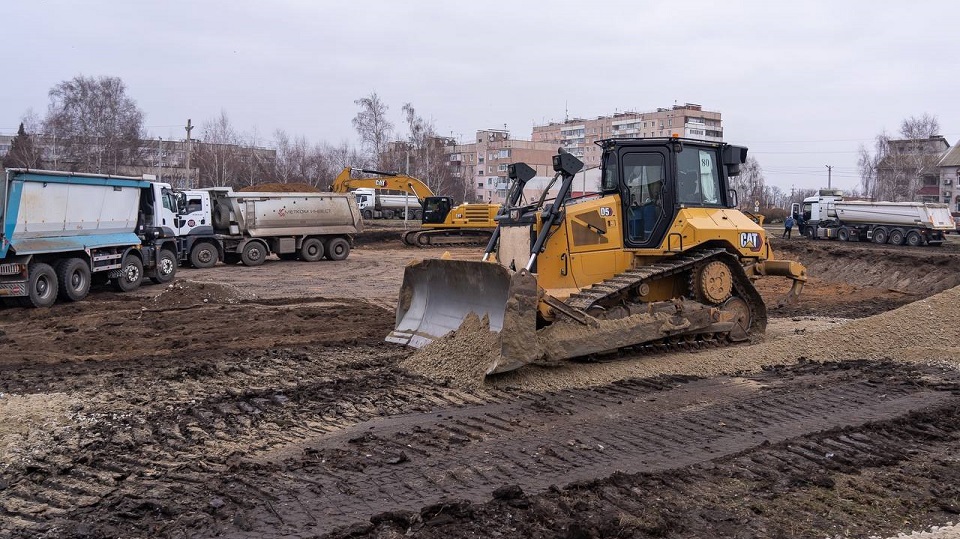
[622, 286]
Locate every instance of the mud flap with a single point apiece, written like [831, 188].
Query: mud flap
[437, 295]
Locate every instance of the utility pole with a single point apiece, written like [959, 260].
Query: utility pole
[189, 128]
[159, 157]
[829, 175]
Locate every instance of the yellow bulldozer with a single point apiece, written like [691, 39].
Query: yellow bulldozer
[442, 222]
[658, 257]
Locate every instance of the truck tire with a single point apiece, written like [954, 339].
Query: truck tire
[914, 239]
[41, 286]
[73, 278]
[843, 234]
[880, 235]
[311, 250]
[811, 232]
[896, 237]
[166, 267]
[254, 254]
[221, 216]
[338, 249]
[204, 255]
[131, 274]
[367, 215]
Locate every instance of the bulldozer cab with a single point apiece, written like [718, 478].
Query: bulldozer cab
[435, 209]
[655, 178]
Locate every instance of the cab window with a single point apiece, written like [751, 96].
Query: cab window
[643, 176]
[698, 180]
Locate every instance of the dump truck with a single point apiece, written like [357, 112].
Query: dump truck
[442, 222]
[375, 204]
[828, 216]
[63, 232]
[658, 258]
[221, 224]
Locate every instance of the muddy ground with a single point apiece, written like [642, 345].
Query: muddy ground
[263, 402]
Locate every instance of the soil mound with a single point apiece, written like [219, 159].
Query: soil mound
[184, 293]
[461, 358]
[280, 188]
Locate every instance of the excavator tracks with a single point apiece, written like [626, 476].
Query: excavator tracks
[623, 288]
[446, 237]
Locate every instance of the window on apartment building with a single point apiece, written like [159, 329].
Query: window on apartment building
[479, 185]
[502, 168]
[503, 154]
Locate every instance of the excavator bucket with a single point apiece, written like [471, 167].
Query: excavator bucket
[437, 295]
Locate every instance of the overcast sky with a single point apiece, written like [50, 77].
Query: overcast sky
[802, 84]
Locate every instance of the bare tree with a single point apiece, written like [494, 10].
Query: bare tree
[750, 185]
[23, 152]
[373, 126]
[98, 127]
[217, 156]
[920, 128]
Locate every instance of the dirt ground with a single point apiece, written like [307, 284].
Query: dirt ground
[263, 402]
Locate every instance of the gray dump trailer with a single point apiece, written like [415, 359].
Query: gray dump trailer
[234, 226]
[62, 232]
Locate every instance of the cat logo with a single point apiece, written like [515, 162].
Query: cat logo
[381, 183]
[751, 240]
[606, 211]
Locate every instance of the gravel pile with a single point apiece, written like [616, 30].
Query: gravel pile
[280, 188]
[461, 358]
[184, 293]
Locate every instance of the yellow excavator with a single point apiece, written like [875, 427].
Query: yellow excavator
[441, 222]
[658, 258]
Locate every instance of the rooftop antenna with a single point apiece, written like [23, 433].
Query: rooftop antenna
[566, 111]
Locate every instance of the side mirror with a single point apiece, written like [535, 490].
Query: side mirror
[732, 198]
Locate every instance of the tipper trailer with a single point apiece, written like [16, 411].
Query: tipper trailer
[222, 224]
[63, 232]
[828, 216]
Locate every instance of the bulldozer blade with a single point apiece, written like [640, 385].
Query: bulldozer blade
[437, 296]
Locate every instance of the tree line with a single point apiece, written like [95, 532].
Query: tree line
[93, 125]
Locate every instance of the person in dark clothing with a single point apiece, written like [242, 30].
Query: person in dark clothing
[788, 227]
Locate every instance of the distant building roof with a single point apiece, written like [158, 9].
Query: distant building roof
[951, 158]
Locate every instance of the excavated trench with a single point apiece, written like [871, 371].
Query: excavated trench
[263, 413]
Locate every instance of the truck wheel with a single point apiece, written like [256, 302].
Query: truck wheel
[41, 286]
[204, 255]
[367, 215]
[73, 277]
[166, 267]
[311, 250]
[914, 239]
[338, 249]
[843, 234]
[254, 254]
[896, 237]
[880, 236]
[131, 274]
[811, 233]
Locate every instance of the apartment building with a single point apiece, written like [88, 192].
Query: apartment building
[483, 163]
[949, 168]
[579, 135]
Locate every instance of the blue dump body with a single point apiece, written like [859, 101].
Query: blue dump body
[51, 213]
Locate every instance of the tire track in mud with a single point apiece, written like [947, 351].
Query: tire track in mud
[230, 458]
[874, 480]
[406, 463]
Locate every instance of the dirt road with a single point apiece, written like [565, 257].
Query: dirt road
[262, 402]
